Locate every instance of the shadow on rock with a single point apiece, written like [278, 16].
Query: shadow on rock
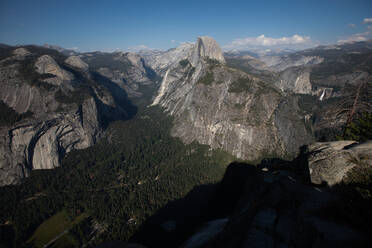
[274, 204]
[278, 208]
[175, 222]
[127, 110]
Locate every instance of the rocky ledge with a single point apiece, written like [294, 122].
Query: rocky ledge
[277, 205]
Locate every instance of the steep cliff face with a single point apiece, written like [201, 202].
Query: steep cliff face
[295, 79]
[207, 47]
[42, 144]
[62, 108]
[227, 108]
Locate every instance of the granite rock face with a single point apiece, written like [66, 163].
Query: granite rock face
[330, 162]
[228, 109]
[60, 116]
[207, 47]
[21, 52]
[75, 61]
[295, 79]
[47, 65]
[42, 144]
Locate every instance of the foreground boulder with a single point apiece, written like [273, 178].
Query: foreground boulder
[275, 208]
[329, 162]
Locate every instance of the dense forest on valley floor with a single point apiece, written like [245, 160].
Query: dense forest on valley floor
[107, 191]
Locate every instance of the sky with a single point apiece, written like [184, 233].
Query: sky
[88, 25]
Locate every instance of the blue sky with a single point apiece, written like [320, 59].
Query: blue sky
[106, 25]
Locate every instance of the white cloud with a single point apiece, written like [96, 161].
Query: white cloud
[360, 36]
[263, 41]
[367, 20]
[110, 50]
[186, 42]
[138, 48]
[351, 25]
[173, 41]
[73, 48]
[353, 38]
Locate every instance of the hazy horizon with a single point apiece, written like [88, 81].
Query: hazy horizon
[121, 25]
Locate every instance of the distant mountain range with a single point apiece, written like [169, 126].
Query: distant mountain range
[249, 104]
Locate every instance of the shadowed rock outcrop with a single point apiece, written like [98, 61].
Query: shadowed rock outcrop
[275, 208]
